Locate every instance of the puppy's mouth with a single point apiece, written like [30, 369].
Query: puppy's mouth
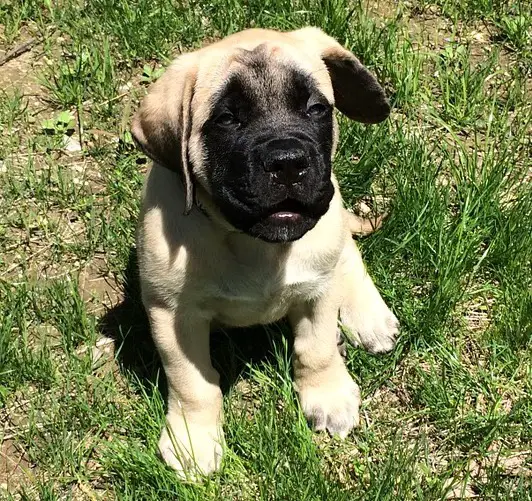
[285, 217]
[288, 211]
[281, 221]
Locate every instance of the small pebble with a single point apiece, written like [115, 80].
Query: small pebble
[72, 145]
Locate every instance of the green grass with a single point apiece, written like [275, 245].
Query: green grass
[447, 413]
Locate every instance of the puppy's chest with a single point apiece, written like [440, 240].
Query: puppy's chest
[259, 295]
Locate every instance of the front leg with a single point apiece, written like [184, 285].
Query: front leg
[328, 395]
[192, 440]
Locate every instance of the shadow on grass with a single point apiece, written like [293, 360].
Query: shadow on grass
[232, 350]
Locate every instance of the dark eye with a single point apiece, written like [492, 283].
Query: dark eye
[227, 119]
[317, 110]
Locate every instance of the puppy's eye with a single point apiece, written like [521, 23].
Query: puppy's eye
[227, 119]
[317, 110]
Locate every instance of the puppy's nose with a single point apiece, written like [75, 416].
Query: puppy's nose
[288, 166]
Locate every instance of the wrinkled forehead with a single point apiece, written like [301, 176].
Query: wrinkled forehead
[264, 75]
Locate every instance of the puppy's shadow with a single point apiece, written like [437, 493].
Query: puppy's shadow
[232, 350]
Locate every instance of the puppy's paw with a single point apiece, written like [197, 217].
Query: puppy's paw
[191, 450]
[374, 327]
[340, 343]
[331, 404]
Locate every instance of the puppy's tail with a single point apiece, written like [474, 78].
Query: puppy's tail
[362, 226]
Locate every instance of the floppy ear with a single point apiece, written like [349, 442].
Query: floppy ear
[161, 127]
[357, 93]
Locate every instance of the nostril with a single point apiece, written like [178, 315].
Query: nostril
[286, 166]
[276, 166]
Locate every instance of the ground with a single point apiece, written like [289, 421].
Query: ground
[447, 415]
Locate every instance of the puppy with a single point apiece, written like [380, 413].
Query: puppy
[242, 223]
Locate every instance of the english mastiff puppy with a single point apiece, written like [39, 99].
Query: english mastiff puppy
[242, 223]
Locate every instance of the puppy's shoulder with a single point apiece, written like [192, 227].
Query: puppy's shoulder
[166, 238]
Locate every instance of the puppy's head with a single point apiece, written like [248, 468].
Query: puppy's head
[250, 119]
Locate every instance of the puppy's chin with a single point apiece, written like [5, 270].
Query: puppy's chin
[282, 227]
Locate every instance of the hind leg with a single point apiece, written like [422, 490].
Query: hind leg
[365, 317]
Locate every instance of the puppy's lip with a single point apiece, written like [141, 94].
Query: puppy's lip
[287, 211]
[285, 216]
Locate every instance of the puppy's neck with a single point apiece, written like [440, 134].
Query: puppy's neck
[207, 207]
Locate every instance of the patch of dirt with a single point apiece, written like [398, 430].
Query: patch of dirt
[477, 314]
[382, 8]
[431, 30]
[15, 468]
[20, 75]
[246, 398]
[98, 287]
[509, 463]
[40, 239]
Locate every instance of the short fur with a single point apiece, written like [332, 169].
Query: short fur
[242, 223]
